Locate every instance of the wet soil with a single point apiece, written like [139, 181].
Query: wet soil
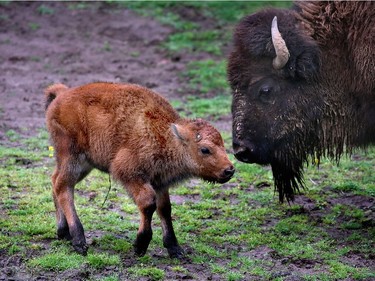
[76, 46]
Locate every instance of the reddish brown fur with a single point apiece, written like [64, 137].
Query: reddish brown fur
[136, 136]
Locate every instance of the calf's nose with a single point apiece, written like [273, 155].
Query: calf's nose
[228, 172]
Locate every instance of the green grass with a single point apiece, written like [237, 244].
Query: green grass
[191, 37]
[33, 26]
[110, 242]
[161, 11]
[211, 227]
[230, 12]
[208, 80]
[45, 10]
[208, 76]
[61, 259]
[208, 108]
[78, 6]
[58, 261]
[152, 273]
[193, 41]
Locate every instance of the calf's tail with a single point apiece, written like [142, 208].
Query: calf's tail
[52, 92]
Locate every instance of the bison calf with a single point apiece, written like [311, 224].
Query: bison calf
[136, 136]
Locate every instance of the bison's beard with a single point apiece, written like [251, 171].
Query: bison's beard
[288, 180]
[289, 158]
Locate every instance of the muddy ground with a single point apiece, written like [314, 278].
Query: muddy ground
[75, 46]
[98, 43]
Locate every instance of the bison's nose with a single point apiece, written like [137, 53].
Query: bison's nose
[241, 152]
[229, 171]
[250, 153]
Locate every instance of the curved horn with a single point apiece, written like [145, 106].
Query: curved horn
[282, 53]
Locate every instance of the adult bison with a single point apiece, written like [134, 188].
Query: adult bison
[303, 83]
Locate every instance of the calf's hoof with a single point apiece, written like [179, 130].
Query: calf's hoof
[81, 248]
[139, 250]
[141, 243]
[176, 252]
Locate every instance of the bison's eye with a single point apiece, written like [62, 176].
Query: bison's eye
[264, 90]
[205, 150]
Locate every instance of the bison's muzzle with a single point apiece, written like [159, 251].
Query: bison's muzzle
[249, 153]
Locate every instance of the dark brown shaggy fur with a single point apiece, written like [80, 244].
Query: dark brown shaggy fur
[321, 103]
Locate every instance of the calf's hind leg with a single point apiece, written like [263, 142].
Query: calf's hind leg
[62, 224]
[66, 175]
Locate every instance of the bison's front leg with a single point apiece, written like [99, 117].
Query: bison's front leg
[164, 211]
[145, 198]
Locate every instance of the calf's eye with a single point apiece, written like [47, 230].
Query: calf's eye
[205, 150]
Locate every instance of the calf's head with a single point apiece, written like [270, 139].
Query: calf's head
[204, 147]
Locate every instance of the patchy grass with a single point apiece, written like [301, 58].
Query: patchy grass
[195, 42]
[61, 259]
[152, 273]
[208, 76]
[192, 37]
[58, 261]
[45, 10]
[225, 12]
[237, 230]
[209, 108]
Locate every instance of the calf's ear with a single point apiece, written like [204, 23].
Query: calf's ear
[180, 132]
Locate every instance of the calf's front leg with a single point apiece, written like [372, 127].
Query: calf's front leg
[145, 198]
[164, 210]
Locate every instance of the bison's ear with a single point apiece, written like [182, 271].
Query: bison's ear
[180, 132]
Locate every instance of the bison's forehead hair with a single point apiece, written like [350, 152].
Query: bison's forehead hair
[253, 33]
[253, 46]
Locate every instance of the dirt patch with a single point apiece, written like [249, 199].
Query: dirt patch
[75, 46]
